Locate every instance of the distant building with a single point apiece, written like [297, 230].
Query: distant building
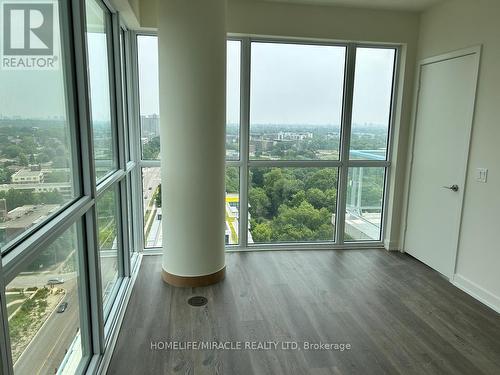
[27, 176]
[294, 136]
[262, 145]
[22, 218]
[150, 126]
[64, 188]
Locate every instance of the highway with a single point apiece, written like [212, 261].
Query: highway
[151, 180]
[155, 234]
[47, 349]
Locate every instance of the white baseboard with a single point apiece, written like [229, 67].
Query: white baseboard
[478, 292]
[391, 245]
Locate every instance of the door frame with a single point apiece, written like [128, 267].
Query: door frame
[462, 179]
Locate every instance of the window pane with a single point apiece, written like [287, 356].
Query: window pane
[296, 101]
[372, 103]
[147, 54]
[36, 154]
[100, 99]
[151, 190]
[233, 100]
[43, 308]
[108, 240]
[292, 204]
[365, 194]
[232, 205]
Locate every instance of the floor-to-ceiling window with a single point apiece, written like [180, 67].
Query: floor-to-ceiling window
[296, 103]
[318, 127]
[66, 180]
[149, 143]
[369, 142]
[307, 141]
[233, 140]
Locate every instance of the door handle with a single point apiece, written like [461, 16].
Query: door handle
[452, 187]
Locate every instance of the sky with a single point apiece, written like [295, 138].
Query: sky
[148, 75]
[290, 84]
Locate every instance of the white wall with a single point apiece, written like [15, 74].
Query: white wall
[342, 24]
[451, 26]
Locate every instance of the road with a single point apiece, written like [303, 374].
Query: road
[47, 349]
[151, 180]
[155, 234]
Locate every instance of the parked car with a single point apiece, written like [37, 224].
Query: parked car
[62, 307]
[55, 281]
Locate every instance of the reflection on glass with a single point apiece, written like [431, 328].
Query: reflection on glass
[371, 103]
[147, 55]
[43, 310]
[365, 193]
[292, 204]
[107, 212]
[36, 157]
[100, 100]
[233, 100]
[232, 207]
[151, 190]
[296, 94]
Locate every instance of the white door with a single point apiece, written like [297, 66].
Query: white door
[445, 107]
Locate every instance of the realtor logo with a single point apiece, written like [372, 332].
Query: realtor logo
[28, 36]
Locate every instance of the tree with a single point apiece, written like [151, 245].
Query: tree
[5, 175]
[323, 179]
[297, 199]
[331, 199]
[261, 232]
[17, 198]
[316, 197]
[23, 159]
[232, 180]
[151, 150]
[50, 197]
[157, 196]
[280, 187]
[57, 176]
[302, 223]
[259, 203]
[12, 151]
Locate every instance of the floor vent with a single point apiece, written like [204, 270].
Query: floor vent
[197, 301]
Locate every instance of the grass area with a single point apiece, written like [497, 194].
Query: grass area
[27, 321]
[11, 297]
[151, 210]
[149, 224]
[13, 307]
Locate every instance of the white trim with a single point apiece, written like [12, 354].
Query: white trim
[478, 292]
[391, 245]
[476, 50]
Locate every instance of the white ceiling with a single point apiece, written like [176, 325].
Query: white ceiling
[409, 5]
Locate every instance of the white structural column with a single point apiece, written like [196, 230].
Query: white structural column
[192, 64]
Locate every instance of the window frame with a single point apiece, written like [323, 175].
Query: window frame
[244, 163]
[138, 206]
[343, 164]
[97, 323]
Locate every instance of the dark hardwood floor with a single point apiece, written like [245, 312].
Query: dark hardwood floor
[399, 316]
